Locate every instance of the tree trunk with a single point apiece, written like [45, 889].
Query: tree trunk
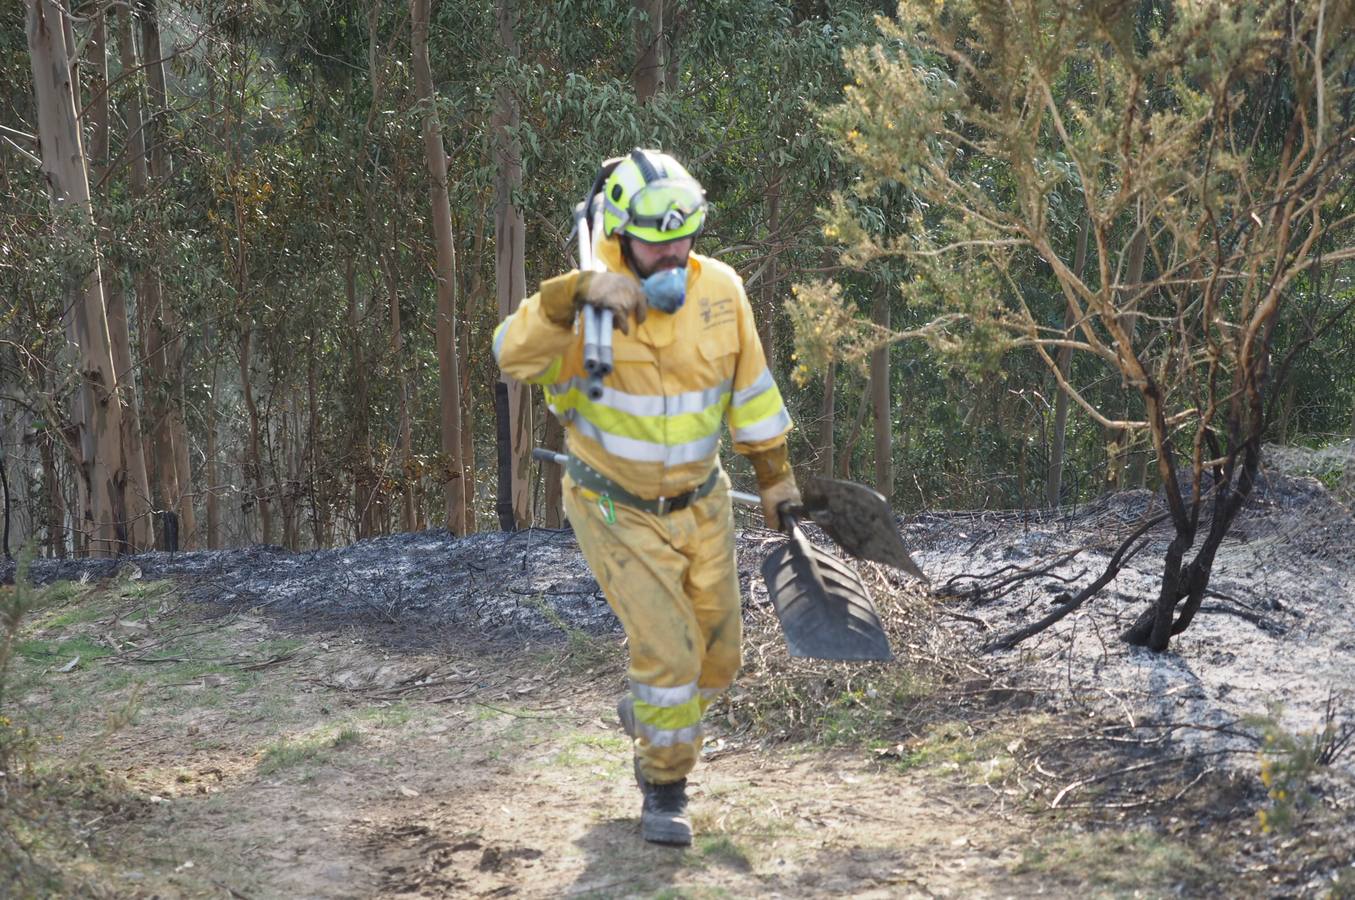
[884, 410]
[254, 453]
[1348, 479]
[827, 421]
[319, 499]
[553, 501]
[98, 408]
[1054, 482]
[56, 501]
[359, 447]
[503, 426]
[1137, 469]
[673, 18]
[468, 424]
[97, 110]
[477, 297]
[510, 264]
[649, 72]
[1120, 468]
[406, 433]
[164, 317]
[141, 528]
[844, 458]
[766, 313]
[139, 498]
[282, 479]
[212, 470]
[162, 470]
[448, 352]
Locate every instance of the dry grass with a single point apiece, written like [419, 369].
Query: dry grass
[780, 698]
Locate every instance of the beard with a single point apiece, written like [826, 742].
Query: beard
[667, 261]
[671, 261]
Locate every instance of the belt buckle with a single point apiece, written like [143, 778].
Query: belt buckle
[664, 506]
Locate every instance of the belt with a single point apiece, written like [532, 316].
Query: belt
[607, 490]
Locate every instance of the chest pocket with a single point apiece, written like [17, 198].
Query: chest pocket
[719, 349]
[631, 351]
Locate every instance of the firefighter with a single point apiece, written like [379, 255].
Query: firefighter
[643, 489]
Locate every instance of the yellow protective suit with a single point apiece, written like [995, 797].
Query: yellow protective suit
[655, 433]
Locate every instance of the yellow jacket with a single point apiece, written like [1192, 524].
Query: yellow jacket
[656, 429]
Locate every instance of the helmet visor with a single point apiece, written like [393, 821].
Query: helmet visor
[675, 205]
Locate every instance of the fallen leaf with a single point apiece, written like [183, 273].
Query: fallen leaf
[70, 666]
[408, 792]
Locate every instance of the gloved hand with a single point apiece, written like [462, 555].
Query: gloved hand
[610, 290]
[773, 495]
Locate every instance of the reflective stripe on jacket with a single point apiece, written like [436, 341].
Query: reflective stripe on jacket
[656, 428]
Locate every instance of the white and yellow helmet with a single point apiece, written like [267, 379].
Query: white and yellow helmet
[652, 198]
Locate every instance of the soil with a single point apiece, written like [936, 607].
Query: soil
[331, 765]
[417, 716]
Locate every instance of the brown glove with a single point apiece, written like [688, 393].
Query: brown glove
[773, 495]
[610, 290]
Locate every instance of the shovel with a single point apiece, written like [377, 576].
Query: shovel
[824, 608]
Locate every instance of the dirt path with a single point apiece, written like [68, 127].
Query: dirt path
[275, 765]
[262, 763]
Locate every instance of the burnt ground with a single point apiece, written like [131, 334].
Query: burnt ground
[489, 665]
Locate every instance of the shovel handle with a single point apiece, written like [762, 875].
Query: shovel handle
[541, 454]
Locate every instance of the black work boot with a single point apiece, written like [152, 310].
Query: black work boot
[625, 711]
[663, 818]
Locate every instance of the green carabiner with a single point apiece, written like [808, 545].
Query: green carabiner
[608, 508]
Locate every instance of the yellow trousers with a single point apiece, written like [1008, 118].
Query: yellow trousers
[671, 581]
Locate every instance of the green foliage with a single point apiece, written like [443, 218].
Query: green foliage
[296, 211]
[1116, 863]
[1163, 128]
[44, 798]
[17, 743]
[1290, 763]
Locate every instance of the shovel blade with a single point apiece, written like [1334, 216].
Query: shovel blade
[859, 521]
[824, 608]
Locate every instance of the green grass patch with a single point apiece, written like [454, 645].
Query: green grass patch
[582, 651]
[956, 745]
[314, 747]
[721, 850]
[863, 714]
[191, 670]
[143, 590]
[59, 593]
[272, 647]
[1343, 888]
[78, 614]
[610, 751]
[1119, 863]
[392, 716]
[61, 652]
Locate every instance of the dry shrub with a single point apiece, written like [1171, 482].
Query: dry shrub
[782, 698]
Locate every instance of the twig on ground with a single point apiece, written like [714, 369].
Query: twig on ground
[1004, 586]
[1117, 561]
[1269, 626]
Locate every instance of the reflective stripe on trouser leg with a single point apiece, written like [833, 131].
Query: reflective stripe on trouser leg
[672, 583]
[713, 586]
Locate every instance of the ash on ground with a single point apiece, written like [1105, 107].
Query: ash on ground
[1274, 636]
[1277, 628]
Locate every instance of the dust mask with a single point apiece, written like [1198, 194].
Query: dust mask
[666, 289]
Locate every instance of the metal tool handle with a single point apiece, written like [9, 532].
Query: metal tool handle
[544, 455]
[597, 323]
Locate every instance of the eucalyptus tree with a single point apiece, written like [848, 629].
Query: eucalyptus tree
[1214, 140]
[435, 155]
[103, 466]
